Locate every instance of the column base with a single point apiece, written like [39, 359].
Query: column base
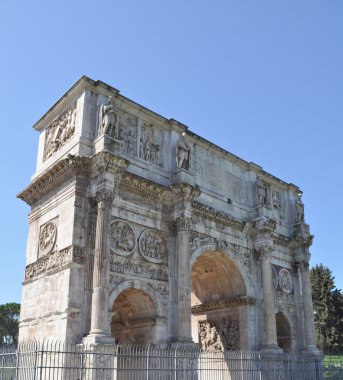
[92, 339]
[272, 349]
[312, 350]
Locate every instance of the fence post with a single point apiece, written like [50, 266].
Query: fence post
[16, 362]
[2, 361]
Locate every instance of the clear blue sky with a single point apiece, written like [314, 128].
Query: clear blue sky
[261, 78]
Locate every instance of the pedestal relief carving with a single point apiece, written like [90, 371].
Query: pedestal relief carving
[60, 131]
[123, 240]
[47, 238]
[152, 246]
[219, 335]
[151, 145]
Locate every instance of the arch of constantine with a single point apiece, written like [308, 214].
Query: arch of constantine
[141, 231]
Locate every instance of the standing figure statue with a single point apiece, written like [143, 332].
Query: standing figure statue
[182, 154]
[299, 210]
[261, 191]
[107, 119]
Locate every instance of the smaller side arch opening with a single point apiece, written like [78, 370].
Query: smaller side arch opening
[283, 331]
[134, 317]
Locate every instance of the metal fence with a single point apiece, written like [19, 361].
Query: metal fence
[63, 361]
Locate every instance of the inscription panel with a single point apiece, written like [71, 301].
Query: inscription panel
[209, 168]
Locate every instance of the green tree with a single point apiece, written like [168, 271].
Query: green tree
[328, 309]
[9, 322]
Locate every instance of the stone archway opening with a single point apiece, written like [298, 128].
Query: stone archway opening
[134, 317]
[283, 331]
[219, 303]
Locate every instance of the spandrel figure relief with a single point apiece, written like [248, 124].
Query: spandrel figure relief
[59, 132]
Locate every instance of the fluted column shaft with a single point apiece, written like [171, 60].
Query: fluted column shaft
[184, 284]
[99, 318]
[268, 302]
[310, 335]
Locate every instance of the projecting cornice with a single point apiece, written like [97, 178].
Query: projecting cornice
[219, 216]
[223, 304]
[139, 185]
[60, 171]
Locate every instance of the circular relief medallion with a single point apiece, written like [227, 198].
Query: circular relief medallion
[152, 246]
[285, 280]
[274, 278]
[47, 238]
[123, 240]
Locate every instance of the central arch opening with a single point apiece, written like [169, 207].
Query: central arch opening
[218, 302]
[134, 317]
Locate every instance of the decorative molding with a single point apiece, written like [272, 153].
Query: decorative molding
[219, 216]
[223, 304]
[59, 172]
[55, 261]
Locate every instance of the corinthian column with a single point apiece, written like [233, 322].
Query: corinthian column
[268, 300]
[183, 277]
[107, 170]
[99, 319]
[184, 195]
[310, 335]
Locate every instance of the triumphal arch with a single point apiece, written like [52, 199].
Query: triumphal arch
[141, 231]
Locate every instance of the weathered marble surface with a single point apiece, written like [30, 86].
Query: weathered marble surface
[143, 232]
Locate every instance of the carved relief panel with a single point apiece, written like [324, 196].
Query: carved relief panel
[152, 246]
[127, 132]
[282, 279]
[123, 239]
[47, 238]
[59, 132]
[219, 335]
[150, 148]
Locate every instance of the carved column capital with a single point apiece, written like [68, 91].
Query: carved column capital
[108, 162]
[185, 192]
[183, 223]
[104, 199]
